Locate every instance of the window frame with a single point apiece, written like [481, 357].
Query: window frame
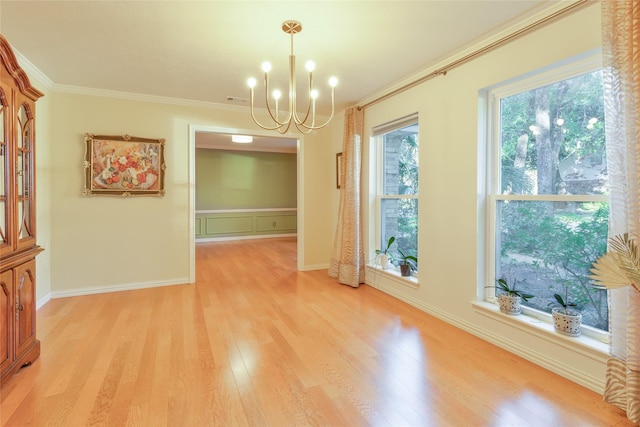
[377, 183]
[490, 121]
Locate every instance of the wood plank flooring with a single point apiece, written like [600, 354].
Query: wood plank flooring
[256, 343]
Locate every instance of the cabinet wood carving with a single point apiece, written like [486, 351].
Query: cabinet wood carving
[18, 248]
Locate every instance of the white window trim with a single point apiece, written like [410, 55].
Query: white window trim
[489, 175]
[376, 161]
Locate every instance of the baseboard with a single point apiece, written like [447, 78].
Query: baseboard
[315, 267]
[252, 237]
[117, 288]
[42, 301]
[595, 384]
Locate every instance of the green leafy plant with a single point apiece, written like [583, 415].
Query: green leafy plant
[564, 302]
[560, 250]
[386, 250]
[409, 260]
[511, 290]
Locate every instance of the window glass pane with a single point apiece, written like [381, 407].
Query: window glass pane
[552, 139]
[400, 164]
[397, 187]
[399, 218]
[547, 247]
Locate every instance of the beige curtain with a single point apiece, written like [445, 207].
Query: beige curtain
[621, 53]
[347, 259]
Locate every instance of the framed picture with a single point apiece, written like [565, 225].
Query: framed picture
[338, 170]
[123, 165]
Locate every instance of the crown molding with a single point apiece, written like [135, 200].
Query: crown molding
[556, 10]
[32, 71]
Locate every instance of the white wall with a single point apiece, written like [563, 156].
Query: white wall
[449, 246]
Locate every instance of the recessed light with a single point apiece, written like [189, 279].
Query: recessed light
[242, 139]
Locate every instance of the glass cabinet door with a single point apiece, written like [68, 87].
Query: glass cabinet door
[24, 176]
[5, 206]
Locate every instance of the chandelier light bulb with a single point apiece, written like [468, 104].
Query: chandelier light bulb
[314, 94]
[333, 82]
[251, 82]
[310, 66]
[266, 67]
[277, 94]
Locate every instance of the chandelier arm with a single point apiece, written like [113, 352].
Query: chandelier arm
[255, 120]
[269, 110]
[313, 127]
[311, 101]
[303, 129]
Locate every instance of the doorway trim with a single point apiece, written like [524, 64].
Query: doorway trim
[192, 189]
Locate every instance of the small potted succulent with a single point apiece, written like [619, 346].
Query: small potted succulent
[383, 256]
[407, 264]
[509, 297]
[566, 319]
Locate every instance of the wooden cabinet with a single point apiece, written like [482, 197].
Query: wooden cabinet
[18, 248]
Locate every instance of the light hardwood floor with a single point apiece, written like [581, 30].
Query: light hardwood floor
[256, 343]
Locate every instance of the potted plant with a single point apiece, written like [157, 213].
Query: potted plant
[383, 256]
[566, 320]
[407, 264]
[510, 297]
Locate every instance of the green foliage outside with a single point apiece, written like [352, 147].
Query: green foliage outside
[400, 215]
[407, 235]
[547, 254]
[553, 144]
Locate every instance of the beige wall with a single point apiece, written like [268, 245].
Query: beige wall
[450, 200]
[43, 192]
[96, 244]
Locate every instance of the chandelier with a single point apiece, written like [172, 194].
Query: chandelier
[282, 122]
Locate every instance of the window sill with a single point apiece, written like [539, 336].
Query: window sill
[375, 273]
[584, 344]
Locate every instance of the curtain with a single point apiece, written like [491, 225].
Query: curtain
[621, 53]
[347, 259]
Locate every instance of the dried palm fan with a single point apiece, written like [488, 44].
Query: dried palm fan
[620, 266]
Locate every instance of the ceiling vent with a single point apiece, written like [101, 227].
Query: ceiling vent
[237, 100]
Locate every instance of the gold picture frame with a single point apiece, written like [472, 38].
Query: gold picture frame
[123, 166]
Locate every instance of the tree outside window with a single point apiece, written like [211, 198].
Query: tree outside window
[398, 195]
[550, 194]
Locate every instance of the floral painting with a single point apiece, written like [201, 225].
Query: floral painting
[124, 165]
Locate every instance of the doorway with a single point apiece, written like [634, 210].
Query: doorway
[220, 138]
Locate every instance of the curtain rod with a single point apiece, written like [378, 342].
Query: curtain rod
[443, 70]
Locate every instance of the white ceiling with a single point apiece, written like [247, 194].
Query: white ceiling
[205, 50]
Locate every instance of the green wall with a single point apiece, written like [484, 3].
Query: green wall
[244, 180]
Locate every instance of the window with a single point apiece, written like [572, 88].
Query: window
[547, 196]
[396, 174]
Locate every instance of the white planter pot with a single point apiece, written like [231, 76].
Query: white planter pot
[569, 323]
[384, 261]
[509, 304]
